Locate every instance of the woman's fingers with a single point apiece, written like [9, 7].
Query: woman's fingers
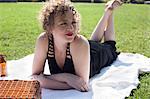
[77, 83]
[83, 89]
[85, 86]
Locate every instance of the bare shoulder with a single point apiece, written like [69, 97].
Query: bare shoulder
[42, 41]
[80, 44]
[80, 41]
[43, 37]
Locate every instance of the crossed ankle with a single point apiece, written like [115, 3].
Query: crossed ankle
[113, 4]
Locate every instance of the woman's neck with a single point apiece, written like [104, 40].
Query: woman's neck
[60, 46]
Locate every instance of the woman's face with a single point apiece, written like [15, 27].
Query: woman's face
[64, 27]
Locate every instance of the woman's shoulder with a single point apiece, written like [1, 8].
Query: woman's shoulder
[80, 51]
[42, 40]
[42, 37]
[80, 42]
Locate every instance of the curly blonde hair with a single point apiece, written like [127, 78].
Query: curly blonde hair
[55, 8]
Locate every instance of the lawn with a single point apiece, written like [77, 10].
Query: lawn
[19, 28]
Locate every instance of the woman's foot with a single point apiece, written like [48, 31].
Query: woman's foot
[113, 4]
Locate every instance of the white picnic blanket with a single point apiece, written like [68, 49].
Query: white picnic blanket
[114, 82]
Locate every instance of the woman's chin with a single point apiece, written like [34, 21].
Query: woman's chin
[70, 39]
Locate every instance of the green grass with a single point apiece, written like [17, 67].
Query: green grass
[19, 29]
[143, 91]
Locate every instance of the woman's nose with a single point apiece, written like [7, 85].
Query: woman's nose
[70, 27]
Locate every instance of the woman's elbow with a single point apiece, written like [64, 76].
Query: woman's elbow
[40, 78]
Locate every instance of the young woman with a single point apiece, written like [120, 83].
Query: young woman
[72, 58]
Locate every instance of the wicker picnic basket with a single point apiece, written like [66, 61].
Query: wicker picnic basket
[29, 89]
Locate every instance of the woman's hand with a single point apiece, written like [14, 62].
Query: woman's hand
[72, 80]
[76, 82]
[47, 81]
[37, 77]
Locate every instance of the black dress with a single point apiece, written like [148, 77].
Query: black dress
[101, 55]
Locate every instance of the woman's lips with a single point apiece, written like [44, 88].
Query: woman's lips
[69, 34]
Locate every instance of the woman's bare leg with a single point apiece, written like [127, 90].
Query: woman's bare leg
[105, 27]
[98, 32]
[109, 32]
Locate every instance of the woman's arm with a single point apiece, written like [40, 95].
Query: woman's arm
[61, 81]
[50, 83]
[40, 54]
[72, 80]
[81, 58]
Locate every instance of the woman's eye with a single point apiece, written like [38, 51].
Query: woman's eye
[74, 22]
[63, 24]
